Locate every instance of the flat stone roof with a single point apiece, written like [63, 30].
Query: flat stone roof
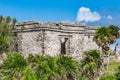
[34, 25]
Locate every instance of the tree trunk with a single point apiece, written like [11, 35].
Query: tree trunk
[108, 59]
[101, 54]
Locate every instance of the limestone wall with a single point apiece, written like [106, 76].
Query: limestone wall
[54, 38]
[30, 42]
[52, 43]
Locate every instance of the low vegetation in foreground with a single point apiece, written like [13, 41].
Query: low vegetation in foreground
[61, 67]
[37, 67]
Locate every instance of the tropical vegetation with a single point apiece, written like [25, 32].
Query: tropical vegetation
[104, 37]
[7, 40]
[91, 64]
[38, 67]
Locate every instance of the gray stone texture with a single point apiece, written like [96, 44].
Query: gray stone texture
[48, 38]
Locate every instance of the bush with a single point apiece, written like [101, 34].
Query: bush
[13, 66]
[51, 68]
[118, 73]
[37, 67]
[28, 74]
[91, 64]
[108, 77]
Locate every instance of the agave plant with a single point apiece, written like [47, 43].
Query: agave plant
[68, 67]
[28, 74]
[13, 66]
[54, 68]
[45, 67]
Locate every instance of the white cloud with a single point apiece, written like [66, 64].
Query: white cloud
[109, 17]
[85, 14]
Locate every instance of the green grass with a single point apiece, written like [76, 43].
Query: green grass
[113, 66]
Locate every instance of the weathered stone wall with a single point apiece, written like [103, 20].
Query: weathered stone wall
[52, 43]
[54, 38]
[30, 42]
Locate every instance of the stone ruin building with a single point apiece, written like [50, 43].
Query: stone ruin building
[54, 38]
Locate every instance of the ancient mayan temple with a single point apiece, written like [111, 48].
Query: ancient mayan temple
[54, 38]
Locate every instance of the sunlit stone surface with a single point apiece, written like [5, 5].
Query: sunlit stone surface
[48, 38]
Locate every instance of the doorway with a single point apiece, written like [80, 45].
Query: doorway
[63, 45]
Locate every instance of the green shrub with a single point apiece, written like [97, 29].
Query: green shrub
[69, 67]
[38, 67]
[13, 66]
[90, 65]
[6, 34]
[51, 68]
[45, 67]
[118, 73]
[28, 74]
[108, 77]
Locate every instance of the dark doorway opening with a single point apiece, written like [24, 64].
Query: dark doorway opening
[63, 46]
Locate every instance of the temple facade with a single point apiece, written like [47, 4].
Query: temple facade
[49, 38]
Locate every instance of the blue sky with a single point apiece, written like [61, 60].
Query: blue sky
[90, 12]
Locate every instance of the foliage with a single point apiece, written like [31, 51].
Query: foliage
[113, 66]
[38, 67]
[44, 67]
[106, 36]
[91, 64]
[13, 66]
[28, 74]
[6, 34]
[118, 73]
[69, 67]
[108, 77]
[51, 68]
[81, 78]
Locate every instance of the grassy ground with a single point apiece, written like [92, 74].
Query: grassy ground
[112, 66]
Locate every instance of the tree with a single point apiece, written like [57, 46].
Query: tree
[6, 34]
[104, 37]
[91, 64]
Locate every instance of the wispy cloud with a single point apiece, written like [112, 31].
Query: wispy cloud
[109, 17]
[85, 14]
